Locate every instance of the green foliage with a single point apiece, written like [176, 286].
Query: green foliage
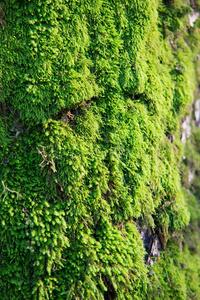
[175, 275]
[92, 93]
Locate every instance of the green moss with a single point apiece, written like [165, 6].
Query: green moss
[94, 92]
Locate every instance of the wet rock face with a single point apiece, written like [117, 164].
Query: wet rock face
[152, 244]
[197, 113]
[190, 175]
[193, 17]
[186, 129]
[186, 124]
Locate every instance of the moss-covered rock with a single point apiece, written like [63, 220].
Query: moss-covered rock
[92, 93]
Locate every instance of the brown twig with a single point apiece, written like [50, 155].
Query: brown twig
[46, 162]
[11, 190]
[84, 222]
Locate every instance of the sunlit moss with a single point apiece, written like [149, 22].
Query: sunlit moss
[92, 95]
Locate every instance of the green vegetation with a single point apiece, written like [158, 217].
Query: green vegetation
[92, 94]
[177, 274]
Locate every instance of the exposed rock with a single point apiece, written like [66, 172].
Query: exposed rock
[186, 129]
[197, 112]
[193, 17]
[151, 243]
[171, 137]
[190, 175]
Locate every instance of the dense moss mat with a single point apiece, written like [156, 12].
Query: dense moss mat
[176, 275]
[92, 94]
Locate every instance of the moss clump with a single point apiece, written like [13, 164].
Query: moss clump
[92, 95]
